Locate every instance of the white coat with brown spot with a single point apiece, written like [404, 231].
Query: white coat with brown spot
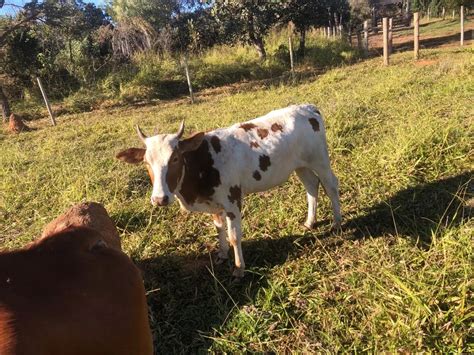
[211, 172]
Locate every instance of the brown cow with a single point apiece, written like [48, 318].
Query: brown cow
[70, 292]
[89, 214]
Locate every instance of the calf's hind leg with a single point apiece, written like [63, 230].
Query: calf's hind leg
[331, 187]
[311, 184]
[223, 253]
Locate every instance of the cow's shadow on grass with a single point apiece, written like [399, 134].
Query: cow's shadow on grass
[190, 298]
[419, 211]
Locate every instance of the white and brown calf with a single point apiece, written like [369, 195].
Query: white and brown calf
[212, 172]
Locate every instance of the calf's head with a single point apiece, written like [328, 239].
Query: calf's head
[164, 160]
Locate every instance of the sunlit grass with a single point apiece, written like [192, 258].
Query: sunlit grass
[399, 278]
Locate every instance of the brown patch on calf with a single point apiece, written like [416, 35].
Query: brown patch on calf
[254, 145]
[200, 176]
[175, 170]
[262, 133]
[247, 126]
[235, 195]
[231, 215]
[264, 162]
[256, 175]
[314, 123]
[216, 143]
[277, 127]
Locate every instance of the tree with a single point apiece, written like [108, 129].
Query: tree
[141, 25]
[194, 31]
[20, 55]
[360, 10]
[156, 13]
[304, 14]
[31, 12]
[338, 11]
[247, 21]
[47, 40]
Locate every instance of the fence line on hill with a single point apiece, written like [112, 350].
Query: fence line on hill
[362, 33]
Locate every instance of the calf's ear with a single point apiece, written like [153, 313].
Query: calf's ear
[132, 155]
[191, 143]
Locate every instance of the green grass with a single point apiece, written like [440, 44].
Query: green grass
[437, 26]
[149, 77]
[399, 277]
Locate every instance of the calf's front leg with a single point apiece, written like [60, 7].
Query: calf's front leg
[234, 231]
[223, 253]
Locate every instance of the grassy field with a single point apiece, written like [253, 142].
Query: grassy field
[398, 278]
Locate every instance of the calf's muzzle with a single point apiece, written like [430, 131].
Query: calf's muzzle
[160, 201]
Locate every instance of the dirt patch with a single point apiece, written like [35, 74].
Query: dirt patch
[425, 63]
[16, 124]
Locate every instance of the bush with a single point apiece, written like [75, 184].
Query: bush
[82, 100]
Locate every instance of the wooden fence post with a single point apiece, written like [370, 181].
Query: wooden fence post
[385, 40]
[453, 14]
[390, 35]
[366, 37]
[461, 13]
[443, 13]
[290, 46]
[429, 13]
[188, 78]
[45, 98]
[291, 29]
[416, 37]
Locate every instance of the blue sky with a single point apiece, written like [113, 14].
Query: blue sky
[7, 9]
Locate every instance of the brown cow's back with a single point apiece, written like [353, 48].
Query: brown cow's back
[70, 293]
[87, 214]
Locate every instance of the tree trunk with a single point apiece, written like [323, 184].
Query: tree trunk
[255, 39]
[71, 56]
[259, 46]
[374, 21]
[5, 105]
[302, 47]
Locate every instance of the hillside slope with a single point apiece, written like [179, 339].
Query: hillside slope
[398, 278]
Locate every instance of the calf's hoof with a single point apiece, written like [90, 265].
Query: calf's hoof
[219, 259]
[238, 273]
[309, 225]
[336, 227]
